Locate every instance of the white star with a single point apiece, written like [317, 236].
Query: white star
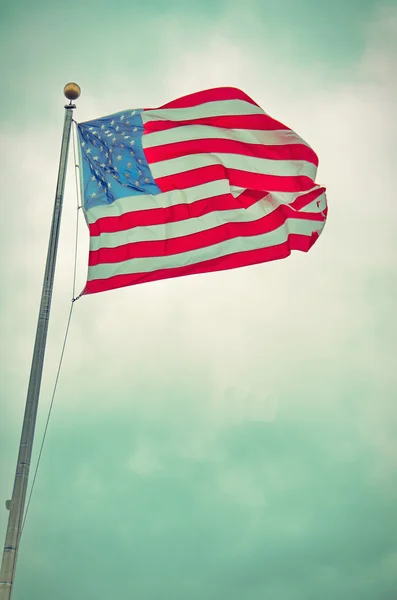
[137, 183]
[102, 126]
[129, 165]
[115, 168]
[107, 131]
[103, 165]
[146, 180]
[90, 128]
[139, 160]
[93, 178]
[122, 118]
[127, 122]
[93, 195]
[112, 123]
[113, 140]
[99, 184]
[95, 157]
[135, 129]
[119, 157]
[89, 151]
[132, 142]
[109, 185]
[101, 149]
[82, 144]
[110, 150]
[126, 137]
[117, 128]
[133, 113]
[107, 154]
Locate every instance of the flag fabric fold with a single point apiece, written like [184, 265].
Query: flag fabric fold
[207, 182]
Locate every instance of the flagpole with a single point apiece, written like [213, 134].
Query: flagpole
[17, 503]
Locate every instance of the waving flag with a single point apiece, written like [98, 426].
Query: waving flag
[205, 183]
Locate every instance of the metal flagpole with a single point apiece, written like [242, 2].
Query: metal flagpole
[17, 503]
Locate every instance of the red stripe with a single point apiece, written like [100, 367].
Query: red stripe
[209, 145]
[201, 239]
[305, 199]
[222, 263]
[254, 122]
[244, 179]
[212, 95]
[169, 214]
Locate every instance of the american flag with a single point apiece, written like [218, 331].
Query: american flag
[204, 183]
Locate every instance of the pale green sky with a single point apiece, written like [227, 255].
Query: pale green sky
[229, 435]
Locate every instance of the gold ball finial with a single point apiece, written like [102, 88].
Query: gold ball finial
[72, 91]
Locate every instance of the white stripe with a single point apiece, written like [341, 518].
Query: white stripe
[280, 137]
[240, 244]
[219, 108]
[291, 168]
[163, 200]
[176, 197]
[317, 206]
[176, 229]
[276, 199]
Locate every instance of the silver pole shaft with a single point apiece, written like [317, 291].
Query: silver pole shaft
[17, 503]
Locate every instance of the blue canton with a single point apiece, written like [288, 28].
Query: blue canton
[113, 161]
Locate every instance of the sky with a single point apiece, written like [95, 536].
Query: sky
[221, 436]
